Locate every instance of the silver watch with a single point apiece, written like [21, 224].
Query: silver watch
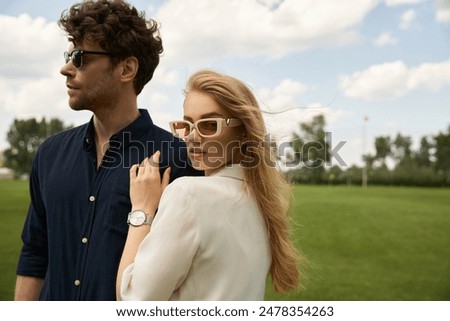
[138, 218]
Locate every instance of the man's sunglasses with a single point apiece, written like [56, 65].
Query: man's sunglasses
[76, 56]
[208, 127]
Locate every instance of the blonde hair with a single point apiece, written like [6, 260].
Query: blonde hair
[262, 179]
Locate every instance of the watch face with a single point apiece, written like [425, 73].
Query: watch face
[137, 218]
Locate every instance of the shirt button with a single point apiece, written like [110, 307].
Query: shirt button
[92, 198]
[77, 282]
[84, 240]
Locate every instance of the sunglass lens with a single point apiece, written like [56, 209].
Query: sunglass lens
[181, 129]
[77, 58]
[208, 127]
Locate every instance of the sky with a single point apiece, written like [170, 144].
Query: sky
[371, 67]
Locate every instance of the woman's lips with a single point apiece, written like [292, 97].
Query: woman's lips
[196, 152]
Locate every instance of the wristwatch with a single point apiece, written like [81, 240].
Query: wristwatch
[139, 218]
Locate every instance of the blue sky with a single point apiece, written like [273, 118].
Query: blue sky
[348, 59]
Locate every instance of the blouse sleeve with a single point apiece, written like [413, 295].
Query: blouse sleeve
[166, 253]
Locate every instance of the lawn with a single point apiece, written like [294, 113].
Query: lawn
[14, 201]
[377, 243]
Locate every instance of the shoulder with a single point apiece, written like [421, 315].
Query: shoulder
[186, 188]
[164, 140]
[160, 134]
[184, 200]
[183, 185]
[204, 188]
[173, 153]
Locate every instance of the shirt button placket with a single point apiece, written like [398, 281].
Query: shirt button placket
[84, 241]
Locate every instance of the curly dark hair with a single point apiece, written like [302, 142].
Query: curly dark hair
[118, 28]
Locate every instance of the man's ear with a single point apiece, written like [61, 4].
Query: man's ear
[129, 68]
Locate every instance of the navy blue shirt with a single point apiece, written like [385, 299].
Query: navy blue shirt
[76, 226]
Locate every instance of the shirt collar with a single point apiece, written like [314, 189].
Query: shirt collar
[232, 170]
[130, 133]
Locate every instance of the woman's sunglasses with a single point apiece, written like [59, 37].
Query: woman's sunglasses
[208, 127]
[76, 56]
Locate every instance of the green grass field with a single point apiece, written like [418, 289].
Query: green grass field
[378, 243]
[13, 208]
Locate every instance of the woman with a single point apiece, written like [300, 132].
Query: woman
[214, 237]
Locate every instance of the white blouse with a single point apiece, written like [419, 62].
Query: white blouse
[207, 242]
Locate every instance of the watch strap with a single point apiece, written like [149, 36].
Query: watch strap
[148, 219]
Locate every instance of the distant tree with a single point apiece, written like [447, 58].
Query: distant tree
[353, 175]
[383, 148]
[311, 144]
[297, 145]
[334, 175]
[442, 152]
[422, 157]
[24, 137]
[429, 165]
[401, 149]
[369, 159]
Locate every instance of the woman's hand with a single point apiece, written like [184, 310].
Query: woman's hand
[146, 186]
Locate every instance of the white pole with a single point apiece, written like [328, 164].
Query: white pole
[364, 167]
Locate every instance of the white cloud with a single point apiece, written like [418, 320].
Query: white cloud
[385, 39]
[431, 75]
[31, 51]
[283, 96]
[193, 31]
[203, 30]
[30, 46]
[407, 19]
[30, 82]
[377, 82]
[390, 124]
[39, 97]
[393, 80]
[165, 77]
[443, 11]
[35, 96]
[443, 15]
[392, 3]
[283, 111]
[281, 107]
[158, 99]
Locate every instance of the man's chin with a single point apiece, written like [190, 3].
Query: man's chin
[77, 107]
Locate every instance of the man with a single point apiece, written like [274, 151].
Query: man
[79, 184]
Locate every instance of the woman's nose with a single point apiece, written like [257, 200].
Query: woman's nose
[194, 136]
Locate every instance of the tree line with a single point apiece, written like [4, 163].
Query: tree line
[24, 137]
[394, 162]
